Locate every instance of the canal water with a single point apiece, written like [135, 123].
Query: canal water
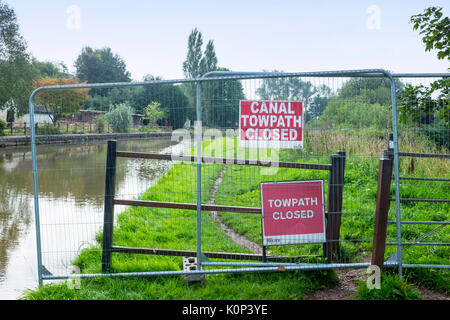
[71, 191]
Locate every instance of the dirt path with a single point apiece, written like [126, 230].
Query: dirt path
[347, 286]
[236, 237]
[344, 290]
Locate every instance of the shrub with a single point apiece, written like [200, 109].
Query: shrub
[100, 124]
[355, 114]
[48, 129]
[3, 125]
[120, 118]
[392, 288]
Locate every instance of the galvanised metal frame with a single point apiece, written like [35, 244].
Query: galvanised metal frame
[221, 76]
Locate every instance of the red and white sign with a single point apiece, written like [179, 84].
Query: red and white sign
[292, 212]
[271, 124]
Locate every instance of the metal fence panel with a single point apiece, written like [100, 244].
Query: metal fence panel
[347, 113]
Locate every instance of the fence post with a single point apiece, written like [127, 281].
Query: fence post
[108, 220]
[335, 195]
[24, 128]
[382, 209]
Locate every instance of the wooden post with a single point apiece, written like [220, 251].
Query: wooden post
[382, 209]
[335, 195]
[108, 220]
[24, 128]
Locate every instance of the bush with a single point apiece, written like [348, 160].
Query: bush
[355, 114]
[3, 125]
[392, 288]
[120, 118]
[47, 129]
[100, 124]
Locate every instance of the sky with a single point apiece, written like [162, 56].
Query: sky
[292, 36]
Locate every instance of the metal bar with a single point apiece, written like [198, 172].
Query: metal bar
[284, 264]
[294, 165]
[424, 155]
[420, 75]
[420, 200]
[313, 266]
[418, 244]
[192, 206]
[35, 190]
[211, 255]
[199, 127]
[427, 235]
[396, 172]
[431, 266]
[237, 270]
[424, 179]
[382, 210]
[108, 220]
[422, 222]
[247, 75]
[185, 206]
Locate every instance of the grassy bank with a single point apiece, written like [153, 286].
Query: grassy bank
[176, 229]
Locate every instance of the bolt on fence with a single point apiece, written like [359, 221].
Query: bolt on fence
[202, 198]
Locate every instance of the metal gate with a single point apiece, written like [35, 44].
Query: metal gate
[207, 205]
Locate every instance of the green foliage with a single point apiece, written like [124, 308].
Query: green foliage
[16, 71]
[171, 97]
[220, 100]
[100, 123]
[314, 98]
[101, 66]
[153, 113]
[370, 90]
[48, 129]
[355, 114]
[435, 31]
[197, 64]
[392, 288]
[50, 69]
[3, 125]
[120, 118]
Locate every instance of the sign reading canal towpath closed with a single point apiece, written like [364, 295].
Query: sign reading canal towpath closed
[292, 212]
[271, 124]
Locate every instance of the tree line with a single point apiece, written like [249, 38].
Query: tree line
[357, 102]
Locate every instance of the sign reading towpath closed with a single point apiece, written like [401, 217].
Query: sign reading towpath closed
[292, 212]
[271, 124]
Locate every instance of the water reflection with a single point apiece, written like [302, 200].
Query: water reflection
[71, 189]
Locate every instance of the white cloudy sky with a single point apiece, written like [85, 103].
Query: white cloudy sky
[293, 36]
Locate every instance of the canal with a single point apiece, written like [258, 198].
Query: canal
[71, 191]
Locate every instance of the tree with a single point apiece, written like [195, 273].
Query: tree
[171, 98]
[220, 102]
[429, 107]
[319, 103]
[153, 114]
[120, 118]
[49, 69]
[193, 62]
[289, 89]
[197, 64]
[100, 66]
[16, 71]
[435, 31]
[60, 102]
[209, 60]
